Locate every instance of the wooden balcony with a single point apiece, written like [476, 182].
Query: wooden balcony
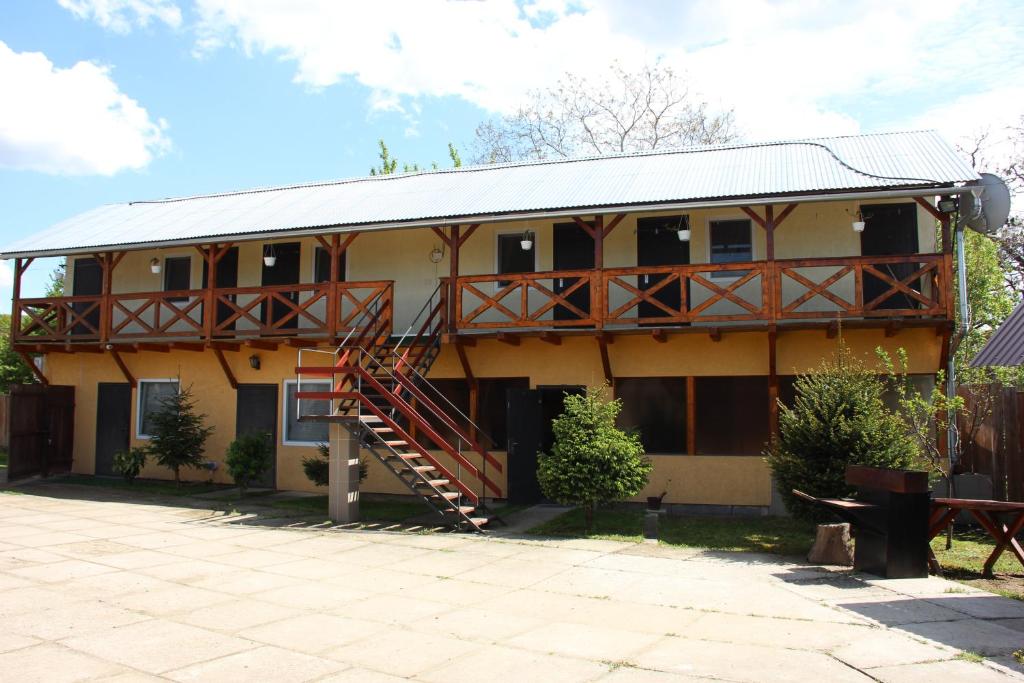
[323, 311]
[869, 287]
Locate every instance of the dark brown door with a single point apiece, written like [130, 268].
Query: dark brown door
[285, 271]
[87, 281]
[524, 442]
[889, 229]
[658, 244]
[113, 424]
[573, 250]
[227, 277]
[42, 430]
[256, 413]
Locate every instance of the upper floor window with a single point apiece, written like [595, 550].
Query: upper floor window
[322, 265]
[177, 275]
[731, 241]
[151, 395]
[512, 258]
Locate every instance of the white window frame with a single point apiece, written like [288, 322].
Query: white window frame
[727, 275]
[285, 441]
[497, 252]
[312, 263]
[138, 403]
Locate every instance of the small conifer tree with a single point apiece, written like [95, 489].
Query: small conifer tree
[592, 461]
[838, 418]
[178, 435]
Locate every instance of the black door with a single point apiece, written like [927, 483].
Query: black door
[113, 424]
[524, 442]
[889, 229]
[285, 271]
[256, 412]
[227, 276]
[573, 250]
[88, 281]
[658, 244]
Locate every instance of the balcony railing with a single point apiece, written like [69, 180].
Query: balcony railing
[313, 310]
[911, 286]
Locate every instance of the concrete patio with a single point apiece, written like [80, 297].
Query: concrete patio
[112, 590]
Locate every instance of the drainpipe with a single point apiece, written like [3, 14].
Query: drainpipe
[954, 343]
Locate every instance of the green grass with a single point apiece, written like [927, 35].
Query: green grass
[965, 561]
[779, 535]
[153, 486]
[369, 510]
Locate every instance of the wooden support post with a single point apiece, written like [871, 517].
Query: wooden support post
[597, 295]
[19, 268]
[606, 364]
[691, 415]
[550, 338]
[332, 293]
[210, 317]
[453, 278]
[225, 367]
[116, 355]
[659, 335]
[510, 339]
[34, 368]
[773, 383]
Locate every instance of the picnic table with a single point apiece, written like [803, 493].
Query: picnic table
[985, 512]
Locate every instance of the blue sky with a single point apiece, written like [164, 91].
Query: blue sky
[113, 100]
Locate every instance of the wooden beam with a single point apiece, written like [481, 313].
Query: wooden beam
[754, 217]
[188, 346]
[297, 343]
[469, 231]
[453, 279]
[769, 237]
[691, 415]
[893, 328]
[551, 338]
[608, 337]
[83, 348]
[934, 211]
[157, 348]
[773, 383]
[224, 345]
[583, 225]
[606, 363]
[125, 348]
[262, 344]
[34, 368]
[510, 339]
[715, 334]
[464, 340]
[613, 223]
[467, 370]
[833, 330]
[124, 368]
[785, 214]
[225, 367]
[347, 242]
[444, 238]
[659, 335]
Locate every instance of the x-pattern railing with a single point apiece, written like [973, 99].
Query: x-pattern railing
[59, 318]
[513, 306]
[155, 314]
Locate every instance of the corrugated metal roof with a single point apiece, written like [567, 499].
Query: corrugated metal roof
[862, 162]
[1006, 345]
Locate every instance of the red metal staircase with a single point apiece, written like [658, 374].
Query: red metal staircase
[379, 392]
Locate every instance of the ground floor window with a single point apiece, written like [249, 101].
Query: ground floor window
[656, 408]
[731, 415]
[151, 394]
[296, 431]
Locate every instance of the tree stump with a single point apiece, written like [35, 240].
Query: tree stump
[832, 545]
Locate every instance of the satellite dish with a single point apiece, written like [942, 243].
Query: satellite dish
[989, 213]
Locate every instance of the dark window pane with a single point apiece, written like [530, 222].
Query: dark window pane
[151, 396]
[656, 407]
[731, 241]
[732, 415]
[493, 415]
[177, 274]
[322, 266]
[305, 432]
[512, 258]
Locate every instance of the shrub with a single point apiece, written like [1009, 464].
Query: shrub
[178, 434]
[317, 466]
[838, 418]
[129, 463]
[592, 461]
[248, 457]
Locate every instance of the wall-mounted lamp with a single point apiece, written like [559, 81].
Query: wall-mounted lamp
[436, 254]
[683, 229]
[947, 205]
[269, 257]
[154, 266]
[526, 241]
[254, 362]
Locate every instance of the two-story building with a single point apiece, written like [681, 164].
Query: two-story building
[696, 282]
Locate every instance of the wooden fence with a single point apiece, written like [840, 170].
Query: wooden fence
[997, 448]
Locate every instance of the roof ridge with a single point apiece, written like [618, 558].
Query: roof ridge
[693, 149]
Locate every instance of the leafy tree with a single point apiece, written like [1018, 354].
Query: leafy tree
[317, 467]
[625, 111]
[389, 164]
[178, 435]
[592, 461]
[55, 286]
[249, 456]
[12, 368]
[838, 418]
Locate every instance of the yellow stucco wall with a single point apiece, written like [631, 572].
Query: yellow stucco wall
[704, 479]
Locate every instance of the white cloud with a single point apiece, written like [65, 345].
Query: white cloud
[6, 274]
[72, 121]
[121, 16]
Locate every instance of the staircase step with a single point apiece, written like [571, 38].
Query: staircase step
[447, 495]
[463, 509]
[422, 469]
[406, 456]
[396, 444]
[479, 521]
[382, 430]
[434, 482]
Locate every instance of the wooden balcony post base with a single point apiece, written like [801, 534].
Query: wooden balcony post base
[343, 475]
